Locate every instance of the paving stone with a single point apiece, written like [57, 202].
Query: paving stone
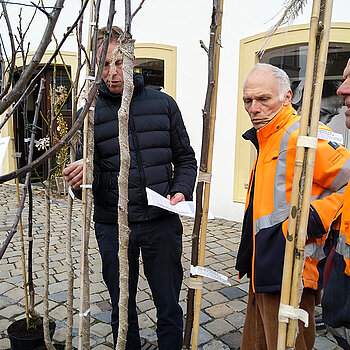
[5, 343]
[233, 292]
[11, 311]
[244, 286]
[218, 327]
[59, 313]
[204, 318]
[100, 329]
[103, 316]
[58, 297]
[152, 314]
[218, 310]
[322, 343]
[145, 305]
[232, 339]
[104, 305]
[141, 296]
[203, 336]
[97, 287]
[149, 334]
[75, 342]
[144, 321]
[60, 335]
[237, 305]
[4, 303]
[103, 347]
[236, 319]
[215, 298]
[216, 345]
[4, 287]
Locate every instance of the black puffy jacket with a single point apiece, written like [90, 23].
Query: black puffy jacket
[161, 157]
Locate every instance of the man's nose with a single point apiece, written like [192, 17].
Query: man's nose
[344, 89]
[255, 107]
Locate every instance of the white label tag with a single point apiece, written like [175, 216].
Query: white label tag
[330, 136]
[287, 312]
[205, 272]
[71, 192]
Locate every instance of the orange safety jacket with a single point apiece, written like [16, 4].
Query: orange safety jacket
[336, 296]
[268, 201]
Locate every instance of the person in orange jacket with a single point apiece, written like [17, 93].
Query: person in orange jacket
[336, 296]
[267, 99]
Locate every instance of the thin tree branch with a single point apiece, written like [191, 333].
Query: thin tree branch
[27, 180]
[41, 9]
[17, 90]
[20, 98]
[137, 10]
[203, 46]
[13, 51]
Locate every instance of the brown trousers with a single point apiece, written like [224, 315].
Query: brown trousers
[261, 323]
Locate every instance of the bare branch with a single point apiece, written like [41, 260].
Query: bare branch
[77, 125]
[27, 180]
[30, 85]
[13, 51]
[292, 9]
[41, 9]
[18, 89]
[137, 10]
[203, 46]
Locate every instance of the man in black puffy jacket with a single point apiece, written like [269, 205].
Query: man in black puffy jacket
[162, 159]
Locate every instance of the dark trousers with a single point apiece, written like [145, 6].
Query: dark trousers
[160, 242]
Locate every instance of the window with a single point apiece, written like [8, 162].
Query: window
[152, 71]
[292, 60]
[157, 63]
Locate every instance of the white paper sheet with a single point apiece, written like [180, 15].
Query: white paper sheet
[186, 208]
[205, 272]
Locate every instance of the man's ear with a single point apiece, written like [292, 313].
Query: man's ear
[288, 98]
[134, 62]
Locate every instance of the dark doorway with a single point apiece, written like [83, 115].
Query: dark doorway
[23, 118]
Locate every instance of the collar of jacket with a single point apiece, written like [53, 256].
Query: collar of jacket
[277, 123]
[138, 86]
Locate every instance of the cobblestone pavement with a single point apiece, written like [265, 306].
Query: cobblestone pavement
[223, 308]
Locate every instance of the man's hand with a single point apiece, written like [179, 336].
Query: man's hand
[73, 174]
[176, 198]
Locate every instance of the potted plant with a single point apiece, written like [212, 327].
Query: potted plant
[28, 337]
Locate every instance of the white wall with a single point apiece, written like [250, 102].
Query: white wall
[183, 23]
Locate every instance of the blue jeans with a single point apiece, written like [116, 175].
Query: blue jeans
[160, 242]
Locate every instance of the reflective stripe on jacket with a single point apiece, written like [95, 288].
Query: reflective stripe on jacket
[336, 300]
[273, 179]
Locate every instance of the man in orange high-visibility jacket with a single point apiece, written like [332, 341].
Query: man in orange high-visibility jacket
[267, 96]
[336, 296]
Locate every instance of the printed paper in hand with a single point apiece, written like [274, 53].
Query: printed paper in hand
[185, 208]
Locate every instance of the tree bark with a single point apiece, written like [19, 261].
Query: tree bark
[202, 170]
[127, 48]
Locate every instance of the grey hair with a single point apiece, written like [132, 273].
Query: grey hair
[279, 74]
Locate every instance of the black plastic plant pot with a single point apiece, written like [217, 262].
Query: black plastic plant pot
[22, 338]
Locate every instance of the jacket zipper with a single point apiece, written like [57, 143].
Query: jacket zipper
[253, 258]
